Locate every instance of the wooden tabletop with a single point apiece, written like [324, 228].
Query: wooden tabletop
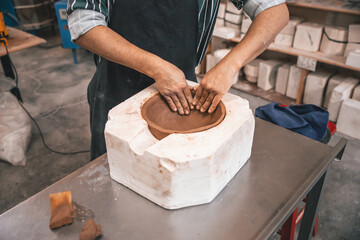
[19, 40]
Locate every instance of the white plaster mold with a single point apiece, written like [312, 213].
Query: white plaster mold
[293, 82]
[349, 118]
[251, 70]
[333, 82]
[282, 78]
[354, 33]
[284, 39]
[356, 94]
[330, 47]
[267, 74]
[182, 169]
[308, 36]
[350, 47]
[341, 92]
[353, 58]
[315, 86]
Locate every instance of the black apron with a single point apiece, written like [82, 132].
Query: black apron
[166, 28]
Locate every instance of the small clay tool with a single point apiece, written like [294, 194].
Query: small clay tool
[61, 211]
[90, 230]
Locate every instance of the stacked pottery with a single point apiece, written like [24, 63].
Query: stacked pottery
[353, 39]
[331, 41]
[251, 70]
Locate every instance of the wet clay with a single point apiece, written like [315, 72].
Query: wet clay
[162, 121]
[90, 230]
[61, 211]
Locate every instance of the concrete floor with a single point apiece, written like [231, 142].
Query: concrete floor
[54, 91]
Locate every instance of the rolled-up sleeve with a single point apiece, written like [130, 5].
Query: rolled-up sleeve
[84, 15]
[254, 7]
[82, 20]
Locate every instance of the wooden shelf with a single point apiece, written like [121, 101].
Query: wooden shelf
[328, 5]
[269, 95]
[319, 56]
[19, 40]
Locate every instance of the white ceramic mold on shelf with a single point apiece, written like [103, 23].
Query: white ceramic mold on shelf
[181, 169]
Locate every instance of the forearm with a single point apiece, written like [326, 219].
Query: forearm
[117, 49]
[262, 32]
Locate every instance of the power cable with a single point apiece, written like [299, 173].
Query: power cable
[18, 97]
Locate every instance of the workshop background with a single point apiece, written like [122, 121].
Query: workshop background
[51, 78]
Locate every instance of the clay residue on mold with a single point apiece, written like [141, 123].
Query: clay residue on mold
[162, 121]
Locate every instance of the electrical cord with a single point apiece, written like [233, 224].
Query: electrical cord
[32, 119]
[333, 40]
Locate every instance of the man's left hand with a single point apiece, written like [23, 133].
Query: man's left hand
[213, 87]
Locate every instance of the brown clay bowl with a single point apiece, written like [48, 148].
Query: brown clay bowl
[162, 121]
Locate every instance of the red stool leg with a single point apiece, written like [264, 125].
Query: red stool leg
[316, 227]
[288, 228]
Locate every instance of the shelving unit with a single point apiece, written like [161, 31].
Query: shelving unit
[270, 95]
[319, 56]
[328, 6]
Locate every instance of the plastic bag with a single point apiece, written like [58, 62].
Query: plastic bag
[15, 130]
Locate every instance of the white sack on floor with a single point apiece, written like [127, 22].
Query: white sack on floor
[15, 130]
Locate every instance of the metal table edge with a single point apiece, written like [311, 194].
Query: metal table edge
[104, 156]
[302, 192]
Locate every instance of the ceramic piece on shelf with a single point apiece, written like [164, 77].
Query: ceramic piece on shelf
[353, 59]
[233, 18]
[219, 22]
[242, 35]
[339, 94]
[282, 78]
[330, 47]
[245, 23]
[290, 28]
[314, 87]
[232, 25]
[308, 36]
[251, 70]
[230, 7]
[350, 47]
[210, 62]
[226, 32]
[354, 33]
[284, 39]
[349, 118]
[222, 9]
[356, 93]
[293, 82]
[332, 83]
[267, 74]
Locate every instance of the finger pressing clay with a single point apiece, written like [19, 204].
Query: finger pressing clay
[61, 211]
[90, 230]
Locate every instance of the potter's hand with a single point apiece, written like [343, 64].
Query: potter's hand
[171, 83]
[213, 87]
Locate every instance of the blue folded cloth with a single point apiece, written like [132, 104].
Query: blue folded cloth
[308, 119]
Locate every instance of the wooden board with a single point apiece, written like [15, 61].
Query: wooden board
[328, 5]
[319, 56]
[19, 40]
[269, 95]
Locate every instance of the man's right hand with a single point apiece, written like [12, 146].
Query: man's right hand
[169, 79]
[172, 85]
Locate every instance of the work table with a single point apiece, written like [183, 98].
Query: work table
[283, 169]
